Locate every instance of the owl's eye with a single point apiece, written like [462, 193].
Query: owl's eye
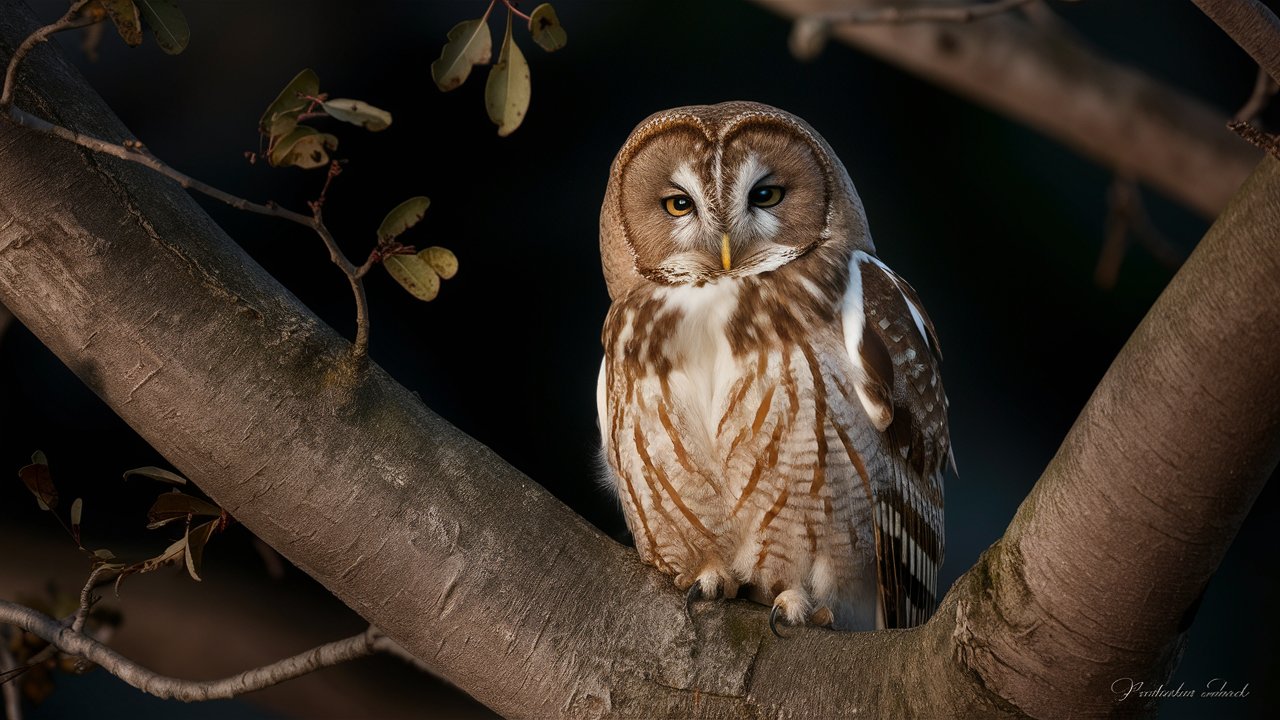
[765, 196]
[678, 205]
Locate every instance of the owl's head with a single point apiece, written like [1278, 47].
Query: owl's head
[707, 192]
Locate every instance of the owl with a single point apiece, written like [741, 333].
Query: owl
[770, 405]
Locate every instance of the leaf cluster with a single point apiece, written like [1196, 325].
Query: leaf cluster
[290, 142]
[162, 18]
[508, 88]
[201, 518]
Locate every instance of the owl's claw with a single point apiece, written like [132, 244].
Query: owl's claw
[695, 593]
[773, 621]
[793, 605]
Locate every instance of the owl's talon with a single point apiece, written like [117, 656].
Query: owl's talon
[695, 593]
[773, 621]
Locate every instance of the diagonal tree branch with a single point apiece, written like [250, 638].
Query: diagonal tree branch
[1039, 75]
[480, 574]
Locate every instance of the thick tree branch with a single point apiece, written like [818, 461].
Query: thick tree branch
[80, 645]
[479, 573]
[1044, 77]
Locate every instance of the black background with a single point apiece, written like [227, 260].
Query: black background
[997, 227]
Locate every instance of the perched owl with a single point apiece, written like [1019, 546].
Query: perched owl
[769, 401]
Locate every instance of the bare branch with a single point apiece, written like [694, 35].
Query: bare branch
[1043, 76]
[1127, 219]
[895, 15]
[1264, 88]
[83, 646]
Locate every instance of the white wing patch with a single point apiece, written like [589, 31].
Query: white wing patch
[853, 318]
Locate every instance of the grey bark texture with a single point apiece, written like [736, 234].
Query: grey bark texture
[487, 579]
[1042, 75]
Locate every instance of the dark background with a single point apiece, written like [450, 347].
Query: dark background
[997, 228]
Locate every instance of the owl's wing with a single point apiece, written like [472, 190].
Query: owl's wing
[891, 339]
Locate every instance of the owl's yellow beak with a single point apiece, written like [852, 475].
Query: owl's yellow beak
[724, 252]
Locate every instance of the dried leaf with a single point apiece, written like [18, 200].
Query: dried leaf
[38, 480]
[167, 24]
[77, 511]
[305, 147]
[546, 28]
[290, 102]
[128, 21]
[104, 554]
[196, 540]
[402, 217]
[171, 555]
[506, 94]
[443, 261]
[414, 274]
[358, 113]
[176, 506]
[155, 473]
[470, 43]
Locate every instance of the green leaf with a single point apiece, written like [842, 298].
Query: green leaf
[155, 473]
[506, 94]
[402, 217]
[290, 102]
[546, 28]
[196, 540]
[38, 480]
[176, 506]
[358, 113]
[167, 23]
[470, 43]
[414, 274]
[443, 261]
[304, 147]
[124, 15]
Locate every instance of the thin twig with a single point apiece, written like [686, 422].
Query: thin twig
[512, 7]
[1126, 219]
[68, 21]
[901, 16]
[1264, 88]
[83, 646]
[12, 699]
[1256, 136]
[86, 598]
[1120, 198]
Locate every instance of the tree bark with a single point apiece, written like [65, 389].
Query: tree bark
[486, 578]
[1044, 77]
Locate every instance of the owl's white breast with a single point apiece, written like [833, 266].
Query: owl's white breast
[703, 365]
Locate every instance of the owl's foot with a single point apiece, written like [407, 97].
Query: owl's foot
[712, 583]
[791, 607]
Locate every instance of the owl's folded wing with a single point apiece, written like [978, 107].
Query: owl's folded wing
[889, 336]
